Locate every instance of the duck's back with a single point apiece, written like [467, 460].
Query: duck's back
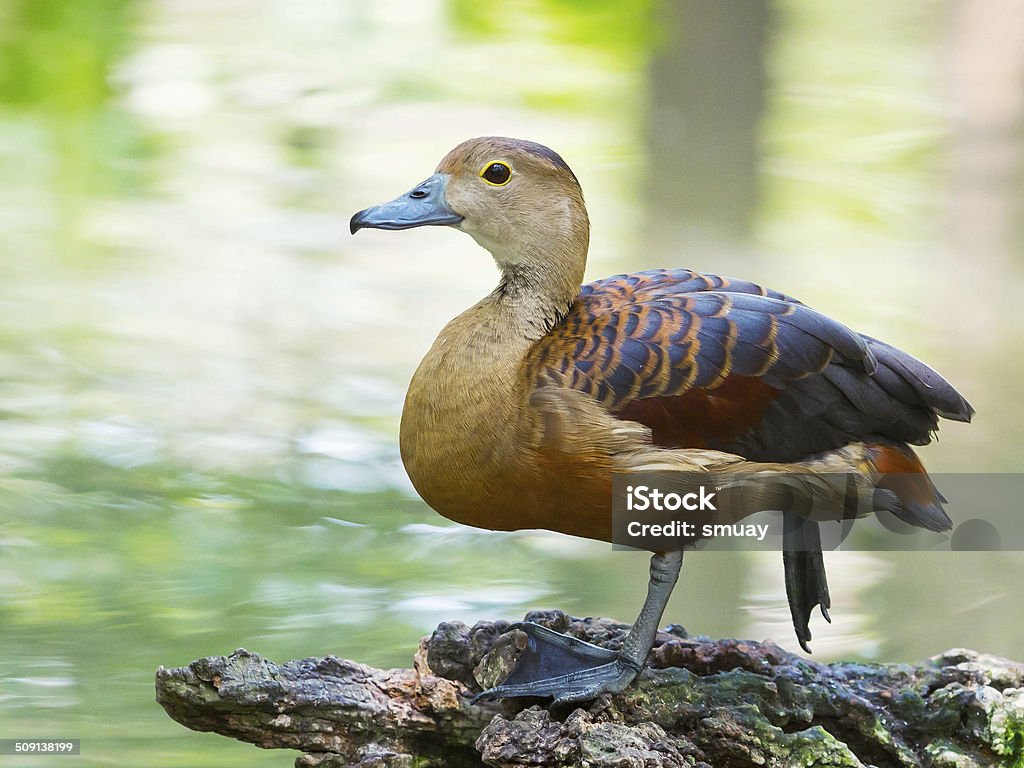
[710, 362]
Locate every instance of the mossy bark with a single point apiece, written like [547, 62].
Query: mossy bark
[722, 703]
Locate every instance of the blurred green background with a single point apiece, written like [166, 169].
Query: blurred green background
[201, 373]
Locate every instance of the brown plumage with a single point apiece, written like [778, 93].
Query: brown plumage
[530, 401]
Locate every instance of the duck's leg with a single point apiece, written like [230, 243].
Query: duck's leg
[568, 669]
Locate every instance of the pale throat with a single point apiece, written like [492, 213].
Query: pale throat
[541, 276]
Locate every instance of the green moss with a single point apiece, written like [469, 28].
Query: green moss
[1006, 727]
[946, 754]
[818, 748]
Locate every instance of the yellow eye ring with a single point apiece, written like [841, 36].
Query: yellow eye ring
[496, 173]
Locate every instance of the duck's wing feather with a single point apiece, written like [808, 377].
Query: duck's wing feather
[710, 362]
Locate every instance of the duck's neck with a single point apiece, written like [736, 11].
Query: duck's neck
[540, 281]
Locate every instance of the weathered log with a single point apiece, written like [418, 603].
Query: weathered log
[702, 703]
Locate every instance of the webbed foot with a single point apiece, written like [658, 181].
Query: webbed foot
[563, 667]
[806, 584]
[571, 670]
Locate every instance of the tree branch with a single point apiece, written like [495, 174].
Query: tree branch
[703, 703]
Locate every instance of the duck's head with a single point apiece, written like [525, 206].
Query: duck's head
[518, 199]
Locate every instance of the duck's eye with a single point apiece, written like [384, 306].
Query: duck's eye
[497, 174]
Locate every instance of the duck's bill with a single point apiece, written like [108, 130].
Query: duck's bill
[422, 206]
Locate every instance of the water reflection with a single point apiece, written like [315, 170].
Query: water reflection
[201, 374]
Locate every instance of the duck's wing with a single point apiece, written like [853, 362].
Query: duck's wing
[709, 362]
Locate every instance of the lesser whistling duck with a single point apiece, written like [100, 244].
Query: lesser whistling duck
[530, 400]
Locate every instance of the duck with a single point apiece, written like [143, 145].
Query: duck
[533, 401]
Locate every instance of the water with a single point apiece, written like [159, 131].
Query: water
[201, 373]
